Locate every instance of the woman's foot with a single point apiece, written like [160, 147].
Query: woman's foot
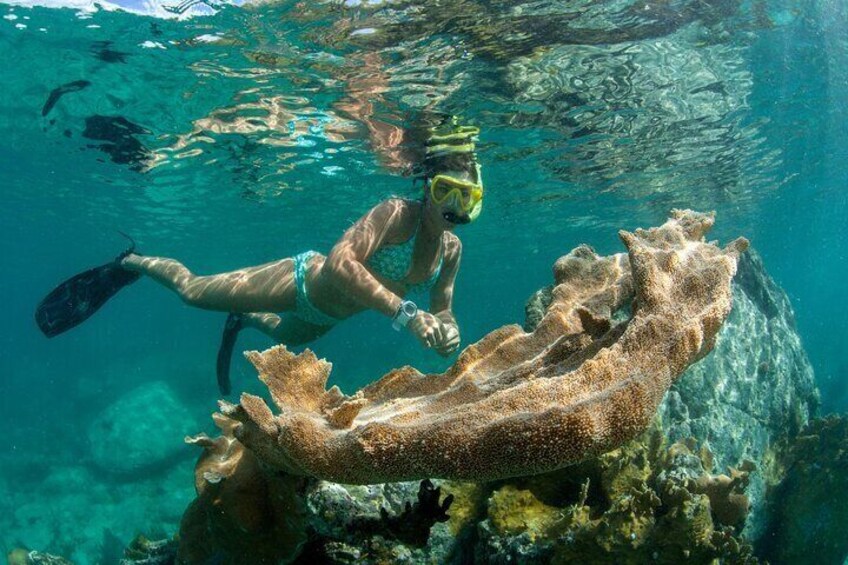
[129, 260]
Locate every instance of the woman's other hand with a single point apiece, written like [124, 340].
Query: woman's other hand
[427, 328]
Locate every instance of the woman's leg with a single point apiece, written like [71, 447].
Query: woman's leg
[268, 287]
[288, 330]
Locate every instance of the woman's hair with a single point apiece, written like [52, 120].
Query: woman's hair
[441, 144]
[465, 162]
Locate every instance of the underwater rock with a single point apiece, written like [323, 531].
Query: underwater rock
[756, 390]
[751, 394]
[337, 514]
[141, 551]
[140, 432]
[811, 503]
[247, 512]
[514, 403]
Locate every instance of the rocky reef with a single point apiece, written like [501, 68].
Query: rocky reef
[647, 501]
[515, 403]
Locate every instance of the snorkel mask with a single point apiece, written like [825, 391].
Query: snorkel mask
[466, 196]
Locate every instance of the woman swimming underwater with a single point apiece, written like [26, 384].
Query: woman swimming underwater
[397, 247]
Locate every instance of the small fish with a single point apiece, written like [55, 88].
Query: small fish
[60, 91]
[101, 50]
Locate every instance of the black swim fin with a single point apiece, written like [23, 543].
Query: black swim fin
[225, 352]
[75, 300]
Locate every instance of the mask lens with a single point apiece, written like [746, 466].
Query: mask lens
[466, 193]
[441, 189]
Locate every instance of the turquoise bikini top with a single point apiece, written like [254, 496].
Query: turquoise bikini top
[394, 262]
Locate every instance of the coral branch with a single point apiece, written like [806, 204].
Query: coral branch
[514, 403]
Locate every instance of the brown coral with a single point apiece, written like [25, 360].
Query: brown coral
[515, 403]
[241, 512]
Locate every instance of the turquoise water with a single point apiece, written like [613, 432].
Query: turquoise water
[241, 136]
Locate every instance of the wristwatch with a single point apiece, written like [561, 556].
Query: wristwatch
[405, 312]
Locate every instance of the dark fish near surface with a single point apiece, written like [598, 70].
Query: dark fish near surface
[123, 147]
[60, 91]
[101, 50]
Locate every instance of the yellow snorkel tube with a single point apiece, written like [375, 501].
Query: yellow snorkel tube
[467, 196]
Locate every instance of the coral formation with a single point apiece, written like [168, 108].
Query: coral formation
[751, 395]
[654, 499]
[515, 403]
[24, 557]
[754, 392]
[242, 513]
[345, 528]
[644, 502]
[338, 512]
[143, 551]
[811, 503]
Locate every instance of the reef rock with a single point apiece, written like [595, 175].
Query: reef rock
[141, 431]
[646, 502]
[755, 391]
[381, 524]
[143, 551]
[515, 403]
[811, 503]
[24, 557]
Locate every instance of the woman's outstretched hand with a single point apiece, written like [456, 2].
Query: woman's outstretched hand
[434, 334]
[427, 328]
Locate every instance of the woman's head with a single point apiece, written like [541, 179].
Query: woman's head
[451, 173]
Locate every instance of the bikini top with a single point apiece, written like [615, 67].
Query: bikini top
[395, 261]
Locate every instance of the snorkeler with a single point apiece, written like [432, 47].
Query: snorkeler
[398, 247]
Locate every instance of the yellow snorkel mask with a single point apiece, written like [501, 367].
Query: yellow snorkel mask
[467, 195]
[452, 138]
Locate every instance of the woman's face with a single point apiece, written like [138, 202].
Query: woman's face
[449, 212]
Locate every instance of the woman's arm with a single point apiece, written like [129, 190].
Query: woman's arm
[441, 296]
[359, 242]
